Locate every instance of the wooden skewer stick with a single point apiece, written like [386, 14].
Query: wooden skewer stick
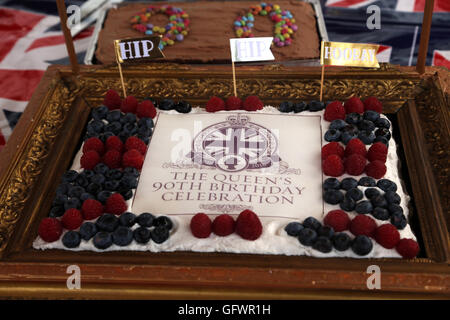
[425, 36]
[321, 82]
[234, 78]
[121, 75]
[62, 11]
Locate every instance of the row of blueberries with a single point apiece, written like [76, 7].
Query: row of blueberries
[296, 107]
[109, 229]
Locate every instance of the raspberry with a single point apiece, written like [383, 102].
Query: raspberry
[115, 204]
[72, 219]
[355, 146]
[223, 225]
[332, 148]
[90, 159]
[133, 158]
[112, 100]
[94, 144]
[376, 169]
[201, 225]
[333, 166]
[253, 103]
[129, 104]
[372, 103]
[50, 229]
[338, 220]
[387, 235]
[363, 225]
[335, 110]
[146, 109]
[114, 143]
[355, 164]
[215, 104]
[112, 159]
[91, 209]
[248, 225]
[136, 143]
[407, 248]
[354, 104]
[233, 103]
[378, 151]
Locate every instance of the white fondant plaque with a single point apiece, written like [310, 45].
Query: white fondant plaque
[228, 162]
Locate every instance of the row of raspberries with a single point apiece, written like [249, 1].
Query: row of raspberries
[336, 110]
[251, 103]
[145, 109]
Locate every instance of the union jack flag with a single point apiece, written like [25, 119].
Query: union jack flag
[29, 43]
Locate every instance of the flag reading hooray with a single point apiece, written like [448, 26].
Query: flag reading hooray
[349, 54]
[251, 49]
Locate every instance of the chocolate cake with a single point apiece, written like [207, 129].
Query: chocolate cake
[211, 27]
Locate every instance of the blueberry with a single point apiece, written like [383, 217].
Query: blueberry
[395, 209]
[349, 183]
[112, 185]
[392, 197]
[159, 235]
[82, 181]
[341, 241]
[98, 178]
[307, 236]
[132, 171]
[312, 223]
[126, 194]
[56, 211]
[366, 125]
[372, 193]
[85, 196]
[380, 213]
[355, 194]
[163, 221]
[123, 136]
[128, 181]
[75, 192]
[107, 222]
[114, 174]
[101, 168]
[60, 199]
[105, 135]
[371, 115]
[362, 245]
[122, 236]
[379, 201]
[88, 174]
[69, 176]
[127, 219]
[332, 135]
[350, 129]
[348, 204]
[286, 106]
[383, 132]
[383, 123]
[141, 235]
[146, 123]
[364, 207]
[102, 240]
[88, 230]
[399, 221]
[367, 137]
[293, 228]
[129, 129]
[114, 127]
[183, 107]
[386, 185]
[63, 188]
[144, 132]
[315, 105]
[95, 126]
[353, 118]
[337, 124]
[113, 115]
[323, 244]
[71, 239]
[346, 137]
[94, 188]
[167, 104]
[383, 140]
[333, 196]
[99, 113]
[331, 183]
[128, 118]
[367, 182]
[145, 219]
[300, 106]
[72, 203]
[325, 231]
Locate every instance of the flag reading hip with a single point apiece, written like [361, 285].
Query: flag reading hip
[251, 49]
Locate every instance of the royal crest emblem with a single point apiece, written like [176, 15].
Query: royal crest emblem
[235, 145]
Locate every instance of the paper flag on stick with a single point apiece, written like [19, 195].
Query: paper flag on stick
[138, 49]
[251, 49]
[349, 54]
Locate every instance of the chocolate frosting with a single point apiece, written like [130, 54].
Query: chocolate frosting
[210, 30]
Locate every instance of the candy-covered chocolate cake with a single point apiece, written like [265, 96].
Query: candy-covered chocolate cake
[198, 32]
[235, 176]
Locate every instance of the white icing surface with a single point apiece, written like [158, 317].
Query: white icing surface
[274, 240]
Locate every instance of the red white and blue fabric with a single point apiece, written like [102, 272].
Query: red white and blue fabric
[27, 47]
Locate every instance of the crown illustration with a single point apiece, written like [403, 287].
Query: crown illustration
[237, 119]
